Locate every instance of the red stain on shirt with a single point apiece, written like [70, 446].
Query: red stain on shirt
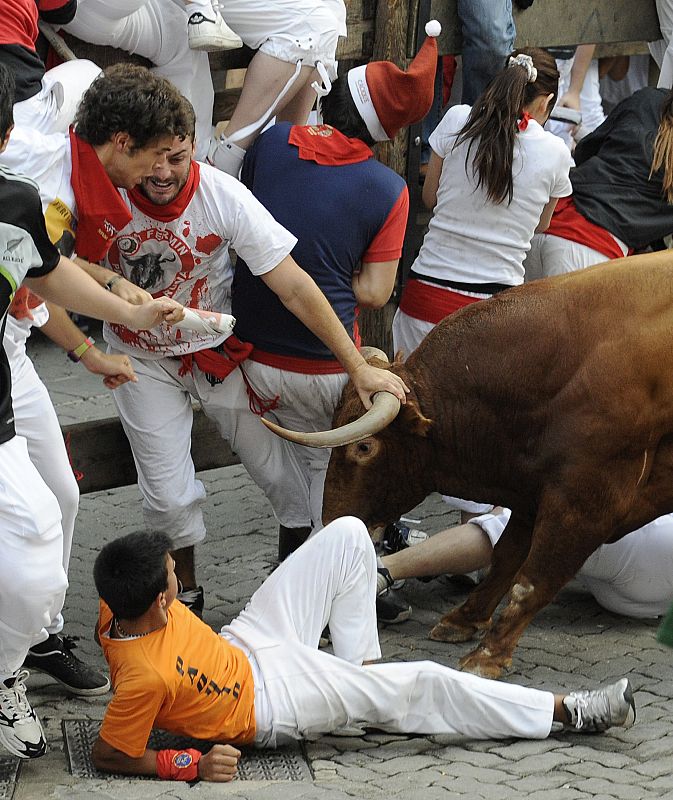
[206, 244]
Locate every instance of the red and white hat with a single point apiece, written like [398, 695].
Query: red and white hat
[387, 98]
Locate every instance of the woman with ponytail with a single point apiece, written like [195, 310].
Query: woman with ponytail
[622, 190]
[493, 179]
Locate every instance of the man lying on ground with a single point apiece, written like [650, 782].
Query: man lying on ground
[263, 681]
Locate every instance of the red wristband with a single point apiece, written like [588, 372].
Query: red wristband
[178, 765]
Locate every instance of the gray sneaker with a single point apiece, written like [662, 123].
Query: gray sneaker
[596, 710]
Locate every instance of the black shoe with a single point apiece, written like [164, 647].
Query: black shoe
[398, 536]
[290, 539]
[391, 607]
[193, 599]
[54, 657]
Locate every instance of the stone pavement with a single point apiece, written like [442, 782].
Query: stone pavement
[572, 643]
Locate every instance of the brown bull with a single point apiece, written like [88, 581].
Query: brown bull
[554, 399]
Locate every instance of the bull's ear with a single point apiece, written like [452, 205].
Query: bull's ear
[399, 357]
[413, 419]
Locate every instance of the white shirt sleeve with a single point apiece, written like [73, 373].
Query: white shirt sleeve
[562, 186]
[254, 234]
[444, 135]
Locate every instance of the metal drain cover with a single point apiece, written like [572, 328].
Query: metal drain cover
[283, 764]
[9, 772]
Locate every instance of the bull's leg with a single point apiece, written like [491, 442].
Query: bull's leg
[463, 622]
[561, 544]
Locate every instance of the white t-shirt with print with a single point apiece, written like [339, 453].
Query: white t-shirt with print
[473, 240]
[188, 259]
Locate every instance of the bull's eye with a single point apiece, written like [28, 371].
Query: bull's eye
[364, 447]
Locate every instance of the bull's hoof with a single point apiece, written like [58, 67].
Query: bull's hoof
[480, 662]
[448, 632]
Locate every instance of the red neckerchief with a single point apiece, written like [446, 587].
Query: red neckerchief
[523, 122]
[101, 212]
[325, 145]
[176, 208]
[23, 302]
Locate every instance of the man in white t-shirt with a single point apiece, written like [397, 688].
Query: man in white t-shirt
[186, 216]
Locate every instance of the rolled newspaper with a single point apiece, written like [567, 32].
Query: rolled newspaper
[209, 323]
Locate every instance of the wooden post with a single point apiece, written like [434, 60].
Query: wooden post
[391, 34]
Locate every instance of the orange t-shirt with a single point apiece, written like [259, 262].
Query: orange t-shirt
[183, 678]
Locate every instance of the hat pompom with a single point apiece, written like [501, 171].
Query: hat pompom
[433, 28]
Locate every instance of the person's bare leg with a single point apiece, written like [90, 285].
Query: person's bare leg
[264, 80]
[456, 551]
[297, 110]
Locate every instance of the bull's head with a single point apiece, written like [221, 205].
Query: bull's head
[376, 471]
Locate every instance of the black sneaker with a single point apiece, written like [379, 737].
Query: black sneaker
[398, 536]
[391, 607]
[193, 599]
[54, 657]
[20, 729]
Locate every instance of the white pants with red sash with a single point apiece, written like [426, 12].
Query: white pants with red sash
[156, 413]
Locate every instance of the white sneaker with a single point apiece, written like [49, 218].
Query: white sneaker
[596, 710]
[209, 34]
[20, 729]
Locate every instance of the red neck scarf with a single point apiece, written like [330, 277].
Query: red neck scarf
[325, 145]
[174, 209]
[101, 212]
[523, 122]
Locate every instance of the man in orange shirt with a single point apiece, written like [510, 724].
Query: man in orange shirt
[262, 680]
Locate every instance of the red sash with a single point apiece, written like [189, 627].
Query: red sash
[215, 363]
[568, 223]
[432, 303]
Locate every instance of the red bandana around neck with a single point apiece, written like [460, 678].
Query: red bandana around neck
[177, 206]
[523, 122]
[101, 212]
[327, 146]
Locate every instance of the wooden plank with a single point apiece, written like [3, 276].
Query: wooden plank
[558, 22]
[100, 451]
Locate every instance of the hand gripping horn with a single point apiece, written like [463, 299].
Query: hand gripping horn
[385, 407]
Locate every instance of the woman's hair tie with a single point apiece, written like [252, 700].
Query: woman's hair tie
[525, 61]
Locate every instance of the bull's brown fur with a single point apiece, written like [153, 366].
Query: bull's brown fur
[554, 399]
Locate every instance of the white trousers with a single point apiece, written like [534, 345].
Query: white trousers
[290, 30]
[156, 414]
[632, 577]
[36, 421]
[662, 51]
[332, 578]
[552, 255]
[305, 403]
[157, 30]
[591, 104]
[32, 578]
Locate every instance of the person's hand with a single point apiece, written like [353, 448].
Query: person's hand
[368, 380]
[219, 764]
[130, 292]
[150, 314]
[570, 99]
[116, 369]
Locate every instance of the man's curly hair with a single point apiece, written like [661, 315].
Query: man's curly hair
[130, 98]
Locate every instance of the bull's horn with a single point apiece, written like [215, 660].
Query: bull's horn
[385, 407]
[368, 352]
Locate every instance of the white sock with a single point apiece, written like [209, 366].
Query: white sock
[226, 156]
